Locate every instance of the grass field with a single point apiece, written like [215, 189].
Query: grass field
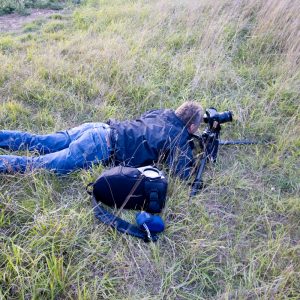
[239, 238]
[24, 6]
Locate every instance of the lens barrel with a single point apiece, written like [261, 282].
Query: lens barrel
[211, 115]
[224, 117]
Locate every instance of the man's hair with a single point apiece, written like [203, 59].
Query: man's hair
[190, 112]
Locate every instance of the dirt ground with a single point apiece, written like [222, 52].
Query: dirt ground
[15, 21]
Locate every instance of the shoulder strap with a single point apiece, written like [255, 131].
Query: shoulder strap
[121, 225]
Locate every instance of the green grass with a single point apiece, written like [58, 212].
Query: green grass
[24, 6]
[239, 238]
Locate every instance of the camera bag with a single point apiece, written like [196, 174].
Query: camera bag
[115, 185]
[131, 188]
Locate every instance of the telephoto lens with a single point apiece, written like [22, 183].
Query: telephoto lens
[225, 116]
[211, 115]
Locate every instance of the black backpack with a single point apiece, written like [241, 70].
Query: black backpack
[121, 187]
[132, 188]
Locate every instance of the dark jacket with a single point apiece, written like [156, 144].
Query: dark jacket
[158, 135]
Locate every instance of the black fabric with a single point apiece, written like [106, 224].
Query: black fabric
[119, 224]
[115, 184]
[156, 135]
[156, 195]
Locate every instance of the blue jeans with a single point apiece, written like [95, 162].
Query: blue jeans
[62, 152]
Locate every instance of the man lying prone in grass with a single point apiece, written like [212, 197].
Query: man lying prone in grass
[161, 134]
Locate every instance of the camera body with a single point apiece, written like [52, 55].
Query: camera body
[211, 115]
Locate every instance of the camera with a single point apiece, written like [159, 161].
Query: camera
[211, 115]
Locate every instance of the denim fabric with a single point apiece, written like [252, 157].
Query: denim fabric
[47, 143]
[67, 151]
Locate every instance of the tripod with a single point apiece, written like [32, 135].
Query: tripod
[210, 142]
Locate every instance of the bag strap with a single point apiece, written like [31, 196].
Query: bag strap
[121, 225]
[135, 186]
